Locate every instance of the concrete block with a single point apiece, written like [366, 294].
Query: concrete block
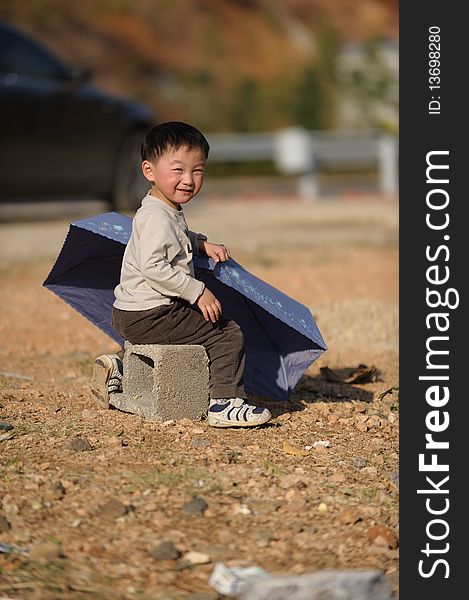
[322, 585]
[163, 382]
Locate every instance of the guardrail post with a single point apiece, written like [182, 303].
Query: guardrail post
[308, 186]
[294, 155]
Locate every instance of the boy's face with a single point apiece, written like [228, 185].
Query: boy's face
[176, 176]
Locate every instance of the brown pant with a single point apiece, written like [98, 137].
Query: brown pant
[182, 323]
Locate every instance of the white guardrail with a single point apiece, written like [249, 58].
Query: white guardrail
[296, 151]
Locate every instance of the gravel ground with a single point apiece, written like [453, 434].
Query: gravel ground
[88, 496]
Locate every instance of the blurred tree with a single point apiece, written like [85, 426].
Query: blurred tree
[308, 103]
[245, 112]
[315, 97]
[371, 83]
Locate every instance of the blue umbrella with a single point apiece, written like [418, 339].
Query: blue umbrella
[282, 338]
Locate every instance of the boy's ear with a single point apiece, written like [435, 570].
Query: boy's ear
[147, 170]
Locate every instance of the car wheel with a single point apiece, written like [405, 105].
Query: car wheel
[129, 184]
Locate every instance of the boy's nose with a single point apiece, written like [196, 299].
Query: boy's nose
[187, 178]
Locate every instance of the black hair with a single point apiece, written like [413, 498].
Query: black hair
[172, 135]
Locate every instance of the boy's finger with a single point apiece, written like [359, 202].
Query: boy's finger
[212, 314]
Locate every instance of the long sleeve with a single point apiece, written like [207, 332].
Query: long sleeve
[159, 250]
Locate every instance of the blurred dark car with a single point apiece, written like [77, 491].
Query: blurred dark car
[60, 136]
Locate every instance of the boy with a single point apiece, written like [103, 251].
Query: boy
[158, 299]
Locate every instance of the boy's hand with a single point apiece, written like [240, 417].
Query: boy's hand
[209, 305]
[215, 251]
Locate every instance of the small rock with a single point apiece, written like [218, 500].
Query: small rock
[383, 536]
[321, 443]
[165, 551]
[378, 549]
[293, 449]
[322, 507]
[371, 471]
[295, 506]
[199, 443]
[196, 558]
[114, 441]
[240, 509]
[362, 418]
[264, 507]
[359, 463]
[267, 536]
[292, 480]
[4, 524]
[9, 507]
[46, 551]
[79, 444]
[195, 507]
[349, 516]
[112, 509]
[57, 490]
[233, 456]
[375, 421]
[284, 417]
[90, 413]
[337, 478]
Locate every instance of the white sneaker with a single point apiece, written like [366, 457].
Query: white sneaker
[106, 378]
[235, 412]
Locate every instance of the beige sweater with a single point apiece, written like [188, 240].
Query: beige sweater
[157, 265]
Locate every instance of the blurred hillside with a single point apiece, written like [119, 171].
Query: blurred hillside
[229, 65]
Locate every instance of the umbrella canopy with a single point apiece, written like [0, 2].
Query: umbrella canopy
[282, 338]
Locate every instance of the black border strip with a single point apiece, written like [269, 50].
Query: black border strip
[433, 134]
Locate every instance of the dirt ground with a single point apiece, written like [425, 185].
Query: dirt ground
[317, 488]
